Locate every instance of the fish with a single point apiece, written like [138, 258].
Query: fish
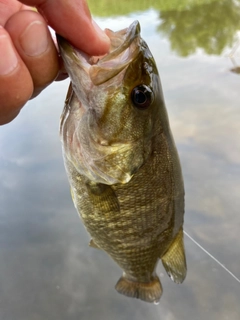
[122, 163]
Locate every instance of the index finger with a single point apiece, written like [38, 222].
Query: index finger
[72, 20]
[8, 8]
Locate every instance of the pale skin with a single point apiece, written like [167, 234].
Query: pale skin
[29, 60]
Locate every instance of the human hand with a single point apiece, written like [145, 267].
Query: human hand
[29, 59]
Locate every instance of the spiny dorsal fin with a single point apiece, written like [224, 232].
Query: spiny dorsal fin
[174, 260]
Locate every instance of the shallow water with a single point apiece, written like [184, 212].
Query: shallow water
[47, 270]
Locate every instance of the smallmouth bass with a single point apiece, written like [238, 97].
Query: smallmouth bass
[122, 163]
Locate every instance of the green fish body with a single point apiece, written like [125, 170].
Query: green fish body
[122, 163]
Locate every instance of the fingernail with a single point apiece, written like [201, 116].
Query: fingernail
[34, 39]
[100, 32]
[9, 60]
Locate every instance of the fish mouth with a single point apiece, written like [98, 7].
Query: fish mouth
[97, 70]
[99, 90]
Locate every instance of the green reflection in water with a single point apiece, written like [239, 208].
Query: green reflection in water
[105, 8]
[210, 26]
[188, 24]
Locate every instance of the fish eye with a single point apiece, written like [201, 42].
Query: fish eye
[141, 97]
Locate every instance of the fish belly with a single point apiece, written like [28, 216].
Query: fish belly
[134, 223]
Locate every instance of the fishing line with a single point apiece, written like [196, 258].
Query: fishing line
[209, 254]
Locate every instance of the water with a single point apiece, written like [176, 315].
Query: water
[47, 270]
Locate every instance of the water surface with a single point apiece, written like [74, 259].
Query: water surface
[47, 270]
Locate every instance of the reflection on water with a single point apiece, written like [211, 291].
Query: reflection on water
[210, 26]
[189, 24]
[107, 8]
[47, 270]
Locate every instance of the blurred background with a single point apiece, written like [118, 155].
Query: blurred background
[47, 270]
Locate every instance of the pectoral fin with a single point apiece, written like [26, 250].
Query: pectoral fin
[174, 260]
[72, 194]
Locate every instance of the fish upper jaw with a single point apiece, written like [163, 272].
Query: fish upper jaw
[88, 72]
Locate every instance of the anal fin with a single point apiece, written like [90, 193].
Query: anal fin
[147, 291]
[174, 260]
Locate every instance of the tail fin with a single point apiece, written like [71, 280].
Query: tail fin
[146, 291]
